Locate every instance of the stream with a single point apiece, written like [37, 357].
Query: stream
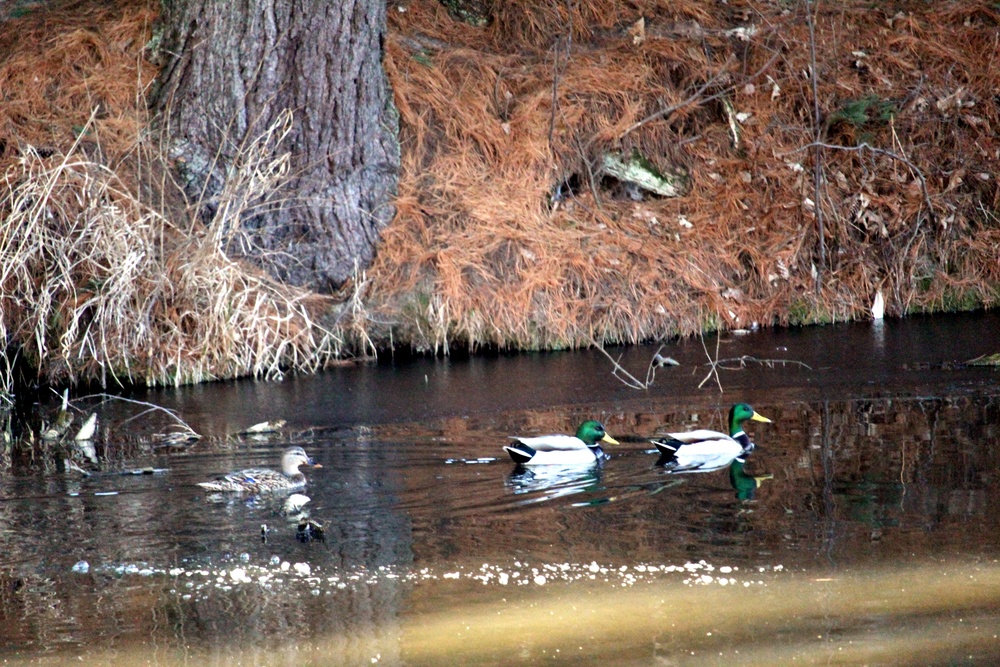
[874, 541]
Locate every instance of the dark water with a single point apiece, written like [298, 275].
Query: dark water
[876, 541]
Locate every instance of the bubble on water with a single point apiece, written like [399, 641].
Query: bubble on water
[275, 560]
[81, 567]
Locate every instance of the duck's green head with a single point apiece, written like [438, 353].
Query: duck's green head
[592, 432]
[740, 413]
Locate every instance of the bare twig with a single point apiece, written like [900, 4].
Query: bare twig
[555, 71]
[817, 153]
[629, 379]
[746, 358]
[714, 370]
[657, 361]
[879, 151]
[696, 96]
[151, 407]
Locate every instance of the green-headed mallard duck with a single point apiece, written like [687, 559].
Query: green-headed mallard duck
[745, 485]
[580, 449]
[704, 451]
[262, 480]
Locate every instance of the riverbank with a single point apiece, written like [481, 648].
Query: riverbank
[803, 189]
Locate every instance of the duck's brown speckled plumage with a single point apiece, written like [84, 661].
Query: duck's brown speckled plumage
[263, 480]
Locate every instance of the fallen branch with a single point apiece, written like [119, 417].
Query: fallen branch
[879, 151]
[186, 433]
[658, 361]
[714, 364]
[746, 358]
[696, 96]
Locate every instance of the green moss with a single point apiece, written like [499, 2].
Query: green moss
[860, 112]
[643, 162]
[799, 312]
[710, 323]
[478, 13]
[802, 312]
[956, 300]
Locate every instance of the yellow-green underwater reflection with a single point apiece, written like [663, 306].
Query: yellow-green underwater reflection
[920, 615]
[944, 613]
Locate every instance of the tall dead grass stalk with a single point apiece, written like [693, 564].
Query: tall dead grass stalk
[95, 285]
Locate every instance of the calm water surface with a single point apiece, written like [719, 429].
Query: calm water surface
[875, 542]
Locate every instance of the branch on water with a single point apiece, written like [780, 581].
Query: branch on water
[746, 358]
[629, 380]
[714, 364]
[175, 437]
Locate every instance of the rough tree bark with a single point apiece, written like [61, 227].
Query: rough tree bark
[231, 68]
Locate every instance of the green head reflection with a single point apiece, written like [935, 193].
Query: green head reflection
[745, 485]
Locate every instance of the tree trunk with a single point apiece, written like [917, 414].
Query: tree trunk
[231, 69]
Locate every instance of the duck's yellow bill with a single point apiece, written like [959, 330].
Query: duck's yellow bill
[760, 479]
[608, 439]
[760, 418]
[317, 465]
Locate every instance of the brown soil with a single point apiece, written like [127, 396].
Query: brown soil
[508, 235]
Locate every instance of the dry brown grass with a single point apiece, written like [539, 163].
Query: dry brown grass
[97, 281]
[477, 255]
[98, 286]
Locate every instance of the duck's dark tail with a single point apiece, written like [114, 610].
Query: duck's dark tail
[520, 452]
[668, 451]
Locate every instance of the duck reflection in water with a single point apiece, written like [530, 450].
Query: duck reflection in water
[552, 481]
[745, 485]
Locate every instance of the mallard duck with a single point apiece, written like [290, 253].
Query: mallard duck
[580, 449]
[745, 485]
[262, 480]
[703, 450]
